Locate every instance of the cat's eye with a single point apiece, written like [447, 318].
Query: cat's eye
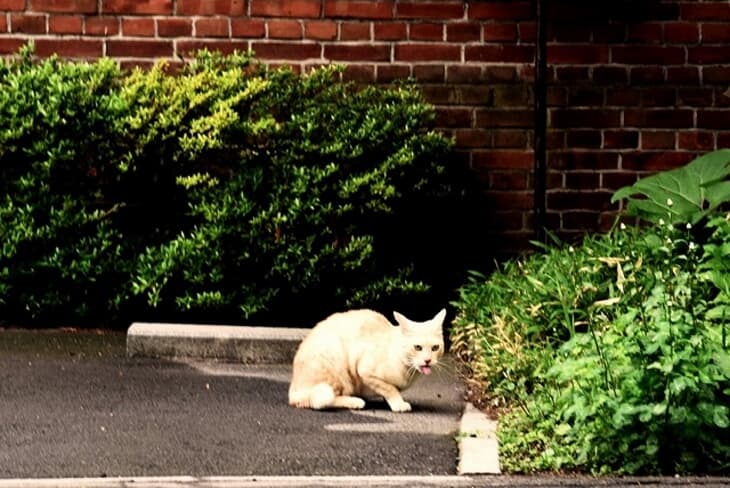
[435, 348]
[417, 348]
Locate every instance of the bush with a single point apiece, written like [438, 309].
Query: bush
[225, 192]
[611, 356]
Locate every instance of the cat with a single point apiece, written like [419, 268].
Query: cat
[359, 353]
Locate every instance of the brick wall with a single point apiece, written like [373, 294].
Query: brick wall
[635, 86]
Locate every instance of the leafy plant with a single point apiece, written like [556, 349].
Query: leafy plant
[685, 194]
[612, 356]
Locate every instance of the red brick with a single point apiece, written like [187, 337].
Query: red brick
[65, 24]
[189, 47]
[28, 24]
[287, 51]
[647, 75]
[3, 24]
[174, 27]
[620, 139]
[69, 48]
[681, 32]
[610, 75]
[247, 28]
[715, 33]
[141, 7]
[571, 33]
[660, 118]
[217, 27]
[713, 11]
[387, 73]
[572, 160]
[646, 32]
[610, 33]
[501, 74]
[427, 52]
[696, 140]
[285, 8]
[655, 161]
[475, 94]
[430, 10]
[453, 116]
[9, 45]
[613, 180]
[440, 94]
[716, 75]
[324, 30]
[713, 119]
[101, 26]
[511, 139]
[659, 97]
[427, 32]
[360, 73]
[464, 74]
[695, 97]
[585, 96]
[139, 49]
[500, 32]
[357, 52]
[709, 55]
[579, 220]
[500, 54]
[501, 10]
[12, 5]
[429, 73]
[586, 139]
[567, 199]
[502, 159]
[684, 75]
[391, 31]
[64, 6]
[211, 7]
[134, 26]
[504, 118]
[647, 55]
[355, 31]
[463, 32]
[577, 54]
[285, 29]
[585, 118]
[664, 139]
[358, 9]
[509, 180]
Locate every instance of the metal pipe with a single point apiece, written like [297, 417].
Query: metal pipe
[540, 129]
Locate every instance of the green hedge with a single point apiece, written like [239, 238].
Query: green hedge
[227, 191]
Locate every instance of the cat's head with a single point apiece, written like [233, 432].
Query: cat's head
[423, 342]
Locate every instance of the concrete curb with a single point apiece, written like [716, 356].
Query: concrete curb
[478, 448]
[241, 344]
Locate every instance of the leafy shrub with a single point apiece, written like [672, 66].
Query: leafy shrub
[611, 356]
[60, 253]
[222, 192]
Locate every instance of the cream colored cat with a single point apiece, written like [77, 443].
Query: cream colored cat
[360, 353]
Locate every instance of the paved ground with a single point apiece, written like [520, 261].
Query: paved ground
[72, 405]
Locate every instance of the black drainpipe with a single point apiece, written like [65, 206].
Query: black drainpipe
[540, 170]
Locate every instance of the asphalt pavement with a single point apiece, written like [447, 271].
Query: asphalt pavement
[73, 405]
[76, 411]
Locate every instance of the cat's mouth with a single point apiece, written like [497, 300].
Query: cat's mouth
[425, 369]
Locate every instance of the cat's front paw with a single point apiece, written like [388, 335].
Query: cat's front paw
[354, 403]
[400, 406]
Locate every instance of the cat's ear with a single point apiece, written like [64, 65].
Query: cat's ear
[401, 319]
[439, 318]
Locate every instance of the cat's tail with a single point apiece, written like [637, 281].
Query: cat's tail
[317, 397]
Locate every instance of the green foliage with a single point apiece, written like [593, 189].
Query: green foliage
[59, 249]
[611, 356]
[685, 194]
[221, 192]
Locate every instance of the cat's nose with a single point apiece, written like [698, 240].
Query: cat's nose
[427, 362]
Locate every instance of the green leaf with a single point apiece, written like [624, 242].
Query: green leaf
[681, 195]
